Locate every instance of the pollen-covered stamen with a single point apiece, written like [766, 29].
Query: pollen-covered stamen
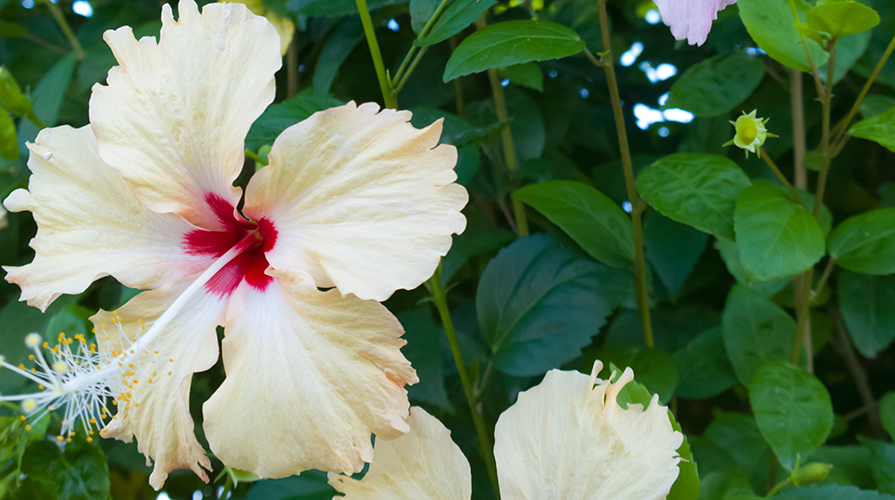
[82, 380]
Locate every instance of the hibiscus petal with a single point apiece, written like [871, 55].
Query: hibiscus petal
[91, 224]
[360, 199]
[310, 375]
[422, 464]
[567, 440]
[157, 411]
[691, 19]
[174, 115]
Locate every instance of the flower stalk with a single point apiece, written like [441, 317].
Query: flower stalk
[637, 205]
[390, 99]
[486, 447]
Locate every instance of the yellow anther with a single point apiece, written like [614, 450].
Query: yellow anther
[90, 440]
[27, 427]
[68, 440]
[60, 438]
[31, 357]
[40, 387]
[22, 418]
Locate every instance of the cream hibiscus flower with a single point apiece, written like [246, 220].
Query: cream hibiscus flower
[355, 204]
[565, 439]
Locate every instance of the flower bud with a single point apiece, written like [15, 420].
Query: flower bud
[750, 133]
[810, 474]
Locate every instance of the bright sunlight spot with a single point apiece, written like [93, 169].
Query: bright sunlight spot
[653, 17]
[82, 8]
[658, 74]
[163, 496]
[627, 206]
[647, 116]
[393, 25]
[629, 57]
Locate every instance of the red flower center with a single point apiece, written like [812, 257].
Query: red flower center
[248, 265]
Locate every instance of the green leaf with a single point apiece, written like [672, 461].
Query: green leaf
[866, 243]
[538, 303]
[699, 190]
[420, 12]
[511, 42]
[9, 141]
[792, 408]
[736, 437]
[717, 85]
[887, 413]
[723, 484]
[832, 492]
[423, 350]
[876, 104]
[672, 250]
[310, 485]
[880, 129]
[867, 308]
[593, 220]
[279, 117]
[340, 44]
[47, 97]
[81, 472]
[12, 30]
[882, 459]
[776, 236]
[456, 17]
[334, 8]
[471, 243]
[754, 330]
[839, 19]
[771, 25]
[703, 368]
[526, 74]
[731, 255]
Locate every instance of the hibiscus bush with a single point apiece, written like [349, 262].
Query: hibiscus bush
[634, 250]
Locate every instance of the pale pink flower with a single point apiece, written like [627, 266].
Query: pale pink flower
[691, 19]
[565, 439]
[355, 204]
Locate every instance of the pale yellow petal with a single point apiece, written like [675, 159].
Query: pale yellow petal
[174, 115]
[90, 224]
[158, 412]
[423, 464]
[361, 200]
[310, 375]
[567, 440]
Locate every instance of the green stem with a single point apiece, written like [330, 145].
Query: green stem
[66, 29]
[779, 487]
[826, 102]
[400, 76]
[458, 86]
[800, 147]
[817, 82]
[637, 205]
[803, 313]
[400, 85]
[486, 448]
[842, 127]
[389, 98]
[779, 174]
[506, 135]
[823, 279]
